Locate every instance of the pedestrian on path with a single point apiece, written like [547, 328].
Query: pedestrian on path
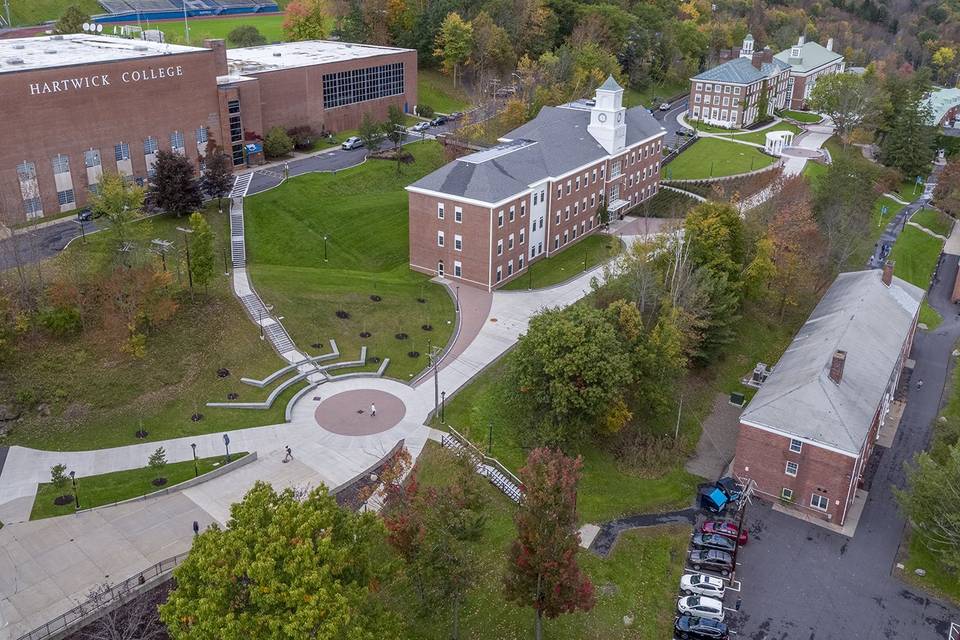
[286, 170]
[289, 456]
[373, 410]
[919, 383]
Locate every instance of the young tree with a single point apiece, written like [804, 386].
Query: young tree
[174, 187]
[395, 130]
[157, 462]
[542, 569]
[931, 502]
[850, 100]
[71, 20]
[797, 255]
[570, 367]
[371, 133]
[763, 105]
[284, 566]
[118, 201]
[277, 143]
[202, 257]
[453, 44]
[947, 194]
[843, 201]
[246, 35]
[217, 179]
[307, 20]
[133, 301]
[58, 478]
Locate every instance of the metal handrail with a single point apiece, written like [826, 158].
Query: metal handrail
[493, 462]
[102, 599]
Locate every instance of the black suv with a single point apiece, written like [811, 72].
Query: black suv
[711, 559]
[713, 541]
[700, 628]
[439, 120]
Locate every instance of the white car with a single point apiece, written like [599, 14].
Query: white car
[664, 106]
[703, 585]
[701, 607]
[420, 126]
[353, 142]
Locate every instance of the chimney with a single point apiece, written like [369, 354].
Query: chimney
[887, 276]
[220, 54]
[829, 44]
[836, 366]
[801, 40]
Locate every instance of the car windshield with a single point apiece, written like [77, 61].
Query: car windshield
[693, 601]
[696, 579]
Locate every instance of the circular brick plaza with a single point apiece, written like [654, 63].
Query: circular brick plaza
[348, 413]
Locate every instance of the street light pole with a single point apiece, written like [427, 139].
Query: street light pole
[226, 444]
[443, 403]
[196, 470]
[325, 247]
[260, 322]
[76, 494]
[458, 298]
[489, 437]
[186, 241]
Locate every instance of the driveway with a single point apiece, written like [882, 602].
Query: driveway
[803, 581]
[40, 243]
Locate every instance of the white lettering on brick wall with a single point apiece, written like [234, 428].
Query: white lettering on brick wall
[103, 80]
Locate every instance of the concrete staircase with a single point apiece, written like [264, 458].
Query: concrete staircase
[490, 468]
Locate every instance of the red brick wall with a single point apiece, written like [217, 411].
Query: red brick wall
[519, 223]
[424, 228]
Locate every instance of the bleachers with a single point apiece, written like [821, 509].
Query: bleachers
[160, 9]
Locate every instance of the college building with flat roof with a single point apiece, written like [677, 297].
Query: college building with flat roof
[484, 218]
[76, 106]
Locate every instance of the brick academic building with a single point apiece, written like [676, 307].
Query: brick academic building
[76, 106]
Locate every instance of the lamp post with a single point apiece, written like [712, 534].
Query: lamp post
[260, 322]
[186, 241]
[443, 402]
[226, 444]
[76, 494]
[489, 437]
[83, 234]
[325, 236]
[458, 298]
[196, 470]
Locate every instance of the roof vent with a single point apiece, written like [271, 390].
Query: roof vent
[14, 60]
[18, 46]
[56, 37]
[50, 52]
[276, 54]
[141, 47]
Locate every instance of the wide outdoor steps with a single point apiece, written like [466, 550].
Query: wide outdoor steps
[496, 477]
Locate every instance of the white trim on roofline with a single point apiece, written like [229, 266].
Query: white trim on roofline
[787, 434]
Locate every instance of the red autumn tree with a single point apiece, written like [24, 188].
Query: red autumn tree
[542, 571]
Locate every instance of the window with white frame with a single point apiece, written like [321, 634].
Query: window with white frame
[509, 268]
[791, 468]
[556, 242]
[706, 99]
[820, 502]
[786, 494]
[65, 197]
[439, 238]
[566, 213]
[61, 164]
[176, 142]
[510, 242]
[696, 99]
[708, 87]
[457, 214]
[534, 198]
[440, 210]
[500, 218]
[578, 183]
[500, 247]
[796, 445]
[458, 242]
[523, 208]
[520, 263]
[593, 199]
[457, 268]
[499, 274]
[201, 134]
[566, 237]
[513, 213]
[522, 235]
[699, 86]
[569, 186]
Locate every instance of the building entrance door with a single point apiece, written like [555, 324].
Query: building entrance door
[440, 268]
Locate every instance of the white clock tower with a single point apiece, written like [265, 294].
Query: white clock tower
[608, 118]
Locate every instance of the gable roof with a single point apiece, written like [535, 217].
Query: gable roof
[868, 320]
[812, 56]
[552, 144]
[741, 71]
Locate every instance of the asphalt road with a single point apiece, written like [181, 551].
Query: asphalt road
[895, 226]
[39, 244]
[802, 581]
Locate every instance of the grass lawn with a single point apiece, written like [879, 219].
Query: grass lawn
[709, 128]
[269, 25]
[909, 190]
[938, 579]
[652, 97]
[929, 316]
[567, 264]
[934, 220]
[916, 254]
[31, 12]
[437, 90]
[711, 157]
[107, 488]
[363, 212]
[639, 577]
[99, 397]
[801, 116]
[813, 170]
[760, 137]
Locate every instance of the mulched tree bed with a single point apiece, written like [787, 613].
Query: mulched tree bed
[158, 482]
[401, 336]
[141, 434]
[422, 300]
[413, 354]
[373, 359]
[376, 298]
[343, 315]
[427, 327]
[62, 500]
[223, 373]
[197, 417]
[365, 334]
[233, 396]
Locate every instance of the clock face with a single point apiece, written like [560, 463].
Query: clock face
[602, 117]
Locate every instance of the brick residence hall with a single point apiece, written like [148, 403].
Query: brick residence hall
[728, 94]
[482, 219]
[807, 435]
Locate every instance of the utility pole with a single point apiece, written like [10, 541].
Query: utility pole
[186, 241]
[434, 353]
[186, 25]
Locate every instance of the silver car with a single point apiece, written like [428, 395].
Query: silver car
[703, 585]
[701, 607]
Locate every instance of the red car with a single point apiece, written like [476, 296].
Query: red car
[725, 529]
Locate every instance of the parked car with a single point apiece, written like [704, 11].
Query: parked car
[702, 584]
[712, 559]
[701, 606]
[420, 126]
[664, 106]
[85, 215]
[700, 628]
[725, 529]
[353, 142]
[456, 115]
[713, 541]
[731, 487]
[438, 121]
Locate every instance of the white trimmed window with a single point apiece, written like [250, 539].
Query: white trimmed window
[556, 242]
[509, 268]
[786, 494]
[523, 208]
[520, 263]
[791, 469]
[457, 214]
[439, 238]
[500, 247]
[578, 183]
[696, 98]
[513, 213]
[440, 211]
[499, 274]
[500, 218]
[566, 213]
[458, 242]
[566, 237]
[522, 235]
[569, 186]
[796, 445]
[457, 269]
[510, 242]
[820, 502]
[699, 86]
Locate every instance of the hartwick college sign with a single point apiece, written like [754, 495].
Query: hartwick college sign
[104, 80]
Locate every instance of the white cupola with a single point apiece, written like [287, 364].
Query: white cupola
[608, 117]
[746, 51]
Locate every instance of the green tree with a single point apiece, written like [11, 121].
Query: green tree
[157, 462]
[246, 35]
[174, 187]
[371, 133]
[907, 137]
[285, 566]
[202, 256]
[843, 202]
[850, 100]
[542, 569]
[396, 130]
[307, 20]
[453, 44]
[569, 368]
[217, 179]
[71, 20]
[277, 143]
[491, 48]
[763, 105]
[58, 477]
[714, 233]
[931, 501]
[118, 201]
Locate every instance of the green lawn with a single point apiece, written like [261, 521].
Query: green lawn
[909, 190]
[699, 125]
[652, 97]
[813, 170]
[31, 12]
[801, 116]
[938, 579]
[916, 254]
[929, 316]
[269, 25]
[760, 137]
[639, 577]
[567, 264]
[712, 157]
[99, 397]
[437, 90]
[363, 212]
[933, 220]
[107, 488]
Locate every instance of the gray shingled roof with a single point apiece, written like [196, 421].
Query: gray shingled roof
[812, 55]
[870, 322]
[741, 71]
[554, 143]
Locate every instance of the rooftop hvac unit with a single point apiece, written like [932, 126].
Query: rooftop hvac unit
[14, 60]
[18, 46]
[56, 37]
[141, 47]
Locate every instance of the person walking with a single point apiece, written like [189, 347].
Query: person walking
[373, 410]
[289, 456]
